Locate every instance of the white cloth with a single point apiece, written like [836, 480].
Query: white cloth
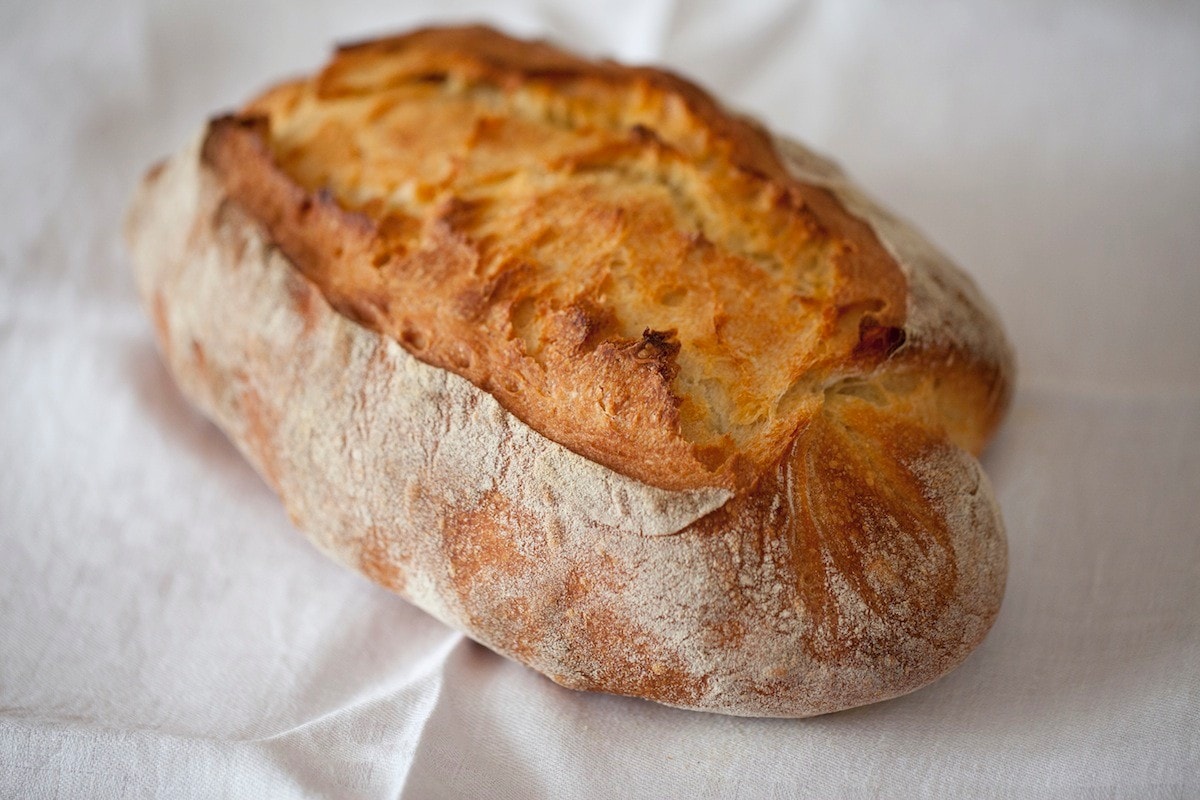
[164, 631]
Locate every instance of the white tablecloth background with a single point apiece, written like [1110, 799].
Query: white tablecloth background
[165, 632]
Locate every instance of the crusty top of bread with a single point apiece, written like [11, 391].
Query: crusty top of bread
[737, 475]
[629, 268]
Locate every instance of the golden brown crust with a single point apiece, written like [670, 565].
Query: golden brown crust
[845, 551]
[624, 265]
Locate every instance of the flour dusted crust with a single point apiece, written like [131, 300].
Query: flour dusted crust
[855, 558]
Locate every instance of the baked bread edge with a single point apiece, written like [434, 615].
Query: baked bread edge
[420, 480]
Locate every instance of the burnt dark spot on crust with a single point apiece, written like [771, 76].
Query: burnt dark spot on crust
[656, 351]
[657, 345]
[877, 342]
[645, 135]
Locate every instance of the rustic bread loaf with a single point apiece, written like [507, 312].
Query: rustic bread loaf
[591, 369]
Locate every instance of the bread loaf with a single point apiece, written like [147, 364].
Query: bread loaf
[592, 369]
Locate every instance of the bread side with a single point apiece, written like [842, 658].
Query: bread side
[866, 561]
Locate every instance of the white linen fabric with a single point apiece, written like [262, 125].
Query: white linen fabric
[164, 632]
